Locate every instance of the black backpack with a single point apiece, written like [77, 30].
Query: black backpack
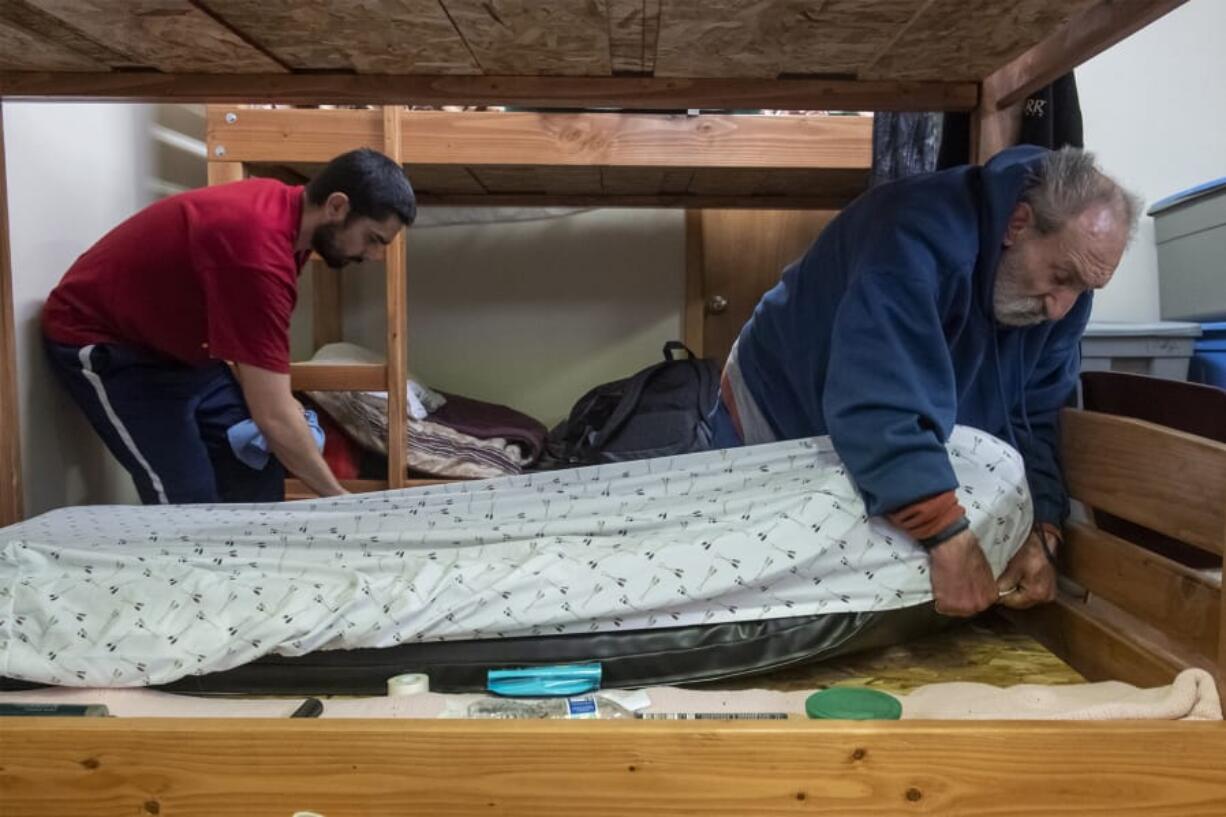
[658, 412]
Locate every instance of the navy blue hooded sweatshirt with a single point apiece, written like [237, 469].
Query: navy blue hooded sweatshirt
[883, 336]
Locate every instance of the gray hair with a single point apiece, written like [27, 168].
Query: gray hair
[1068, 181]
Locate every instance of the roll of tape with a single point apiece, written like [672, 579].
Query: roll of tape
[409, 684]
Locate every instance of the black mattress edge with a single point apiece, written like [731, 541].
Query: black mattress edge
[636, 658]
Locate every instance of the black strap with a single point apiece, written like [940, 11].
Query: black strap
[945, 535]
[626, 406]
[630, 399]
[708, 380]
[675, 345]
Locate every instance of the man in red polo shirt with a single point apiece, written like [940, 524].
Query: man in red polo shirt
[142, 326]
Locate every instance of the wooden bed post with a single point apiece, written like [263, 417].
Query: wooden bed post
[326, 311]
[225, 172]
[397, 376]
[992, 128]
[692, 315]
[1221, 650]
[11, 498]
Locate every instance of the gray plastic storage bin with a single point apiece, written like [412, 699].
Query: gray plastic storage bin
[1155, 349]
[1190, 230]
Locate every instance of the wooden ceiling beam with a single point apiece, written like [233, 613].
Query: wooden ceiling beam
[635, 93]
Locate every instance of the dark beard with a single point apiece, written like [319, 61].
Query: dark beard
[323, 242]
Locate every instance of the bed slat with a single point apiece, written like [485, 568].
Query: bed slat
[1175, 599]
[338, 376]
[1166, 480]
[1103, 643]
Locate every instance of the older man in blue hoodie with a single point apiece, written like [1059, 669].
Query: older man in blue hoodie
[957, 297]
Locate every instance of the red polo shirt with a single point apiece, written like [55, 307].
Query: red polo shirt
[206, 274]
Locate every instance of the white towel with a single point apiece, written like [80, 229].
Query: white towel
[1191, 696]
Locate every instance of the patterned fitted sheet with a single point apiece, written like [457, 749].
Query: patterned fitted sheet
[127, 596]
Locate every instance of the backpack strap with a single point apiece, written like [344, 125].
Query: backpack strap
[634, 391]
[673, 346]
[625, 407]
[708, 380]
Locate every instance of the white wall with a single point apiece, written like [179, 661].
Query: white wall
[533, 313]
[74, 172]
[1154, 107]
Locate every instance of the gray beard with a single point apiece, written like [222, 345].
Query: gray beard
[1010, 307]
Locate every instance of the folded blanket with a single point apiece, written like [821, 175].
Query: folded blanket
[1191, 696]
[430, 447]
[433, 446]
[491, 421]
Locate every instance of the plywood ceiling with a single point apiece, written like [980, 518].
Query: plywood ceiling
[938, 40]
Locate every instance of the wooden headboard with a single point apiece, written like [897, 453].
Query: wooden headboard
[1136, 615]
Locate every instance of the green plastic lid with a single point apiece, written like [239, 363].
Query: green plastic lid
[853, 704]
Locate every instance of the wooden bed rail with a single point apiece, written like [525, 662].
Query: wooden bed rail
[193, 767]
[285, 136]
[1143, 617]
[1166, 480]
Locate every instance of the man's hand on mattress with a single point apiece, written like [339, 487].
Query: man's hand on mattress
[1031, 573]
[962, 582]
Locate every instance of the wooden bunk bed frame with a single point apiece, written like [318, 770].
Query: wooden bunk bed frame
[1140, 618]
[534, 159]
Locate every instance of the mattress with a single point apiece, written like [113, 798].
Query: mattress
[128, 596]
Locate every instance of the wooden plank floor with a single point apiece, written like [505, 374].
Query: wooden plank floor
[987, 650]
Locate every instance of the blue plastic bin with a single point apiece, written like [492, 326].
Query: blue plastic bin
[1209, 356]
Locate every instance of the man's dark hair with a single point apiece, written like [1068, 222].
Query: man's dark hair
[376, 186]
